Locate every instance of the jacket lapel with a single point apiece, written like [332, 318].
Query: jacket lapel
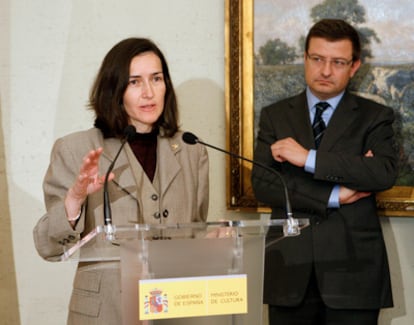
[124, 177]
[168, 166]
[167, 161]
[298, 115]
[342, 118]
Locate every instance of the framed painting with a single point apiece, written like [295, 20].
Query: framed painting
[386, 76]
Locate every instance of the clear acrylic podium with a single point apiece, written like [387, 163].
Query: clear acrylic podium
[186, 251]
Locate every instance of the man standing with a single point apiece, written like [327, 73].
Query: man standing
[334, 150]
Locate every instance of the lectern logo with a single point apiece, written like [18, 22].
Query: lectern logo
[156, 302]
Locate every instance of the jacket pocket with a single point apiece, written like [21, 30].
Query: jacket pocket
[85, 296]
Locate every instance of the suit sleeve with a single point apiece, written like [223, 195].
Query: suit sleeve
[53, 231]
[305, 194]
[350, 168]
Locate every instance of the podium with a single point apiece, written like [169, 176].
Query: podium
[189, 268]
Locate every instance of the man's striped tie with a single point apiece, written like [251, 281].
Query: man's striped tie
[318, 124]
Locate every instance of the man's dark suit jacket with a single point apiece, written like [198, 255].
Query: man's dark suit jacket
[344, 245]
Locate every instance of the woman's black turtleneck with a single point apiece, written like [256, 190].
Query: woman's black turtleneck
[144, 146]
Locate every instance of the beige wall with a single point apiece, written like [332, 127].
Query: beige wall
[49, 53]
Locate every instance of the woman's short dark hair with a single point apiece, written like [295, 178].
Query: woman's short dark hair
[336, 30]
[106, 96]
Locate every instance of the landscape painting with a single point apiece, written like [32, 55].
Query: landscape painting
[277, 36]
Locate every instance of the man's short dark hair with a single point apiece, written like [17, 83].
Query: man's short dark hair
[335, 30]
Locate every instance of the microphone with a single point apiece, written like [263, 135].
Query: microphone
[129, 132]
[292, 227]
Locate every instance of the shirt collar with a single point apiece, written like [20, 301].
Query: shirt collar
[313, 100]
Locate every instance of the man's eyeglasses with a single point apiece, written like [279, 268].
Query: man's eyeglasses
[319, 61]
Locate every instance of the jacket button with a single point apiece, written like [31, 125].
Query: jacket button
[165, 213]
[157, 215]
[154, 197]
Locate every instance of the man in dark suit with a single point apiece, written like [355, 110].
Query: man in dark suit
[333, 161]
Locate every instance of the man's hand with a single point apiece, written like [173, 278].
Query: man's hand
[369, 153]
[289, 150]
[347, 195]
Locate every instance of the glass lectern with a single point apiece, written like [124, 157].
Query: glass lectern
[182, 255]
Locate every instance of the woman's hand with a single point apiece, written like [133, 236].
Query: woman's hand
[88, 181]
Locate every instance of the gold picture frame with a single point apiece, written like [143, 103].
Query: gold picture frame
[239, 16]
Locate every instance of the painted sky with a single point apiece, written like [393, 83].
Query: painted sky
[391, 19]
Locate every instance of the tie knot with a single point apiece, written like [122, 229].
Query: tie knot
[322, 106]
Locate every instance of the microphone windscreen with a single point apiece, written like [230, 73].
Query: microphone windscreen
[189, 138]
[129, 132]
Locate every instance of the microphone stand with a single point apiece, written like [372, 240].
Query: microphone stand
[109, 230]
[291, 227]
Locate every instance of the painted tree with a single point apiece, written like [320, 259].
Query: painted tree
[352, 12]
[275, 52]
